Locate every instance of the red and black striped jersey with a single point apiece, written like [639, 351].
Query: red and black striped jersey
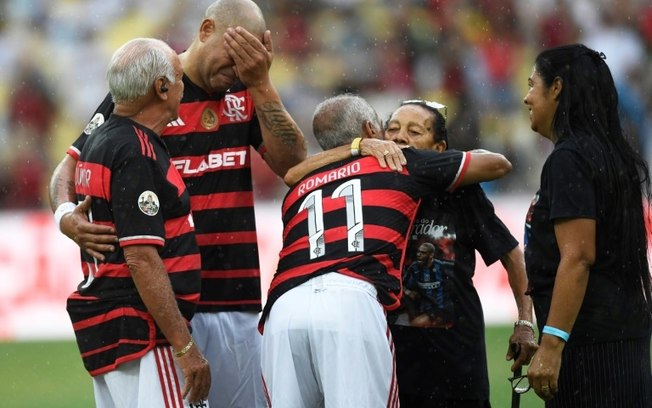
[210, 146]
[135, 188]
[353, 217]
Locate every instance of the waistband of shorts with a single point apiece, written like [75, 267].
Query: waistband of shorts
[341, 280]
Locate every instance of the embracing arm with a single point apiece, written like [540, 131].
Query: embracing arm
[386, 152]
[283, 140]
[522, 343]
[153, 284]
[314, 162]
[576, 241]
[92, 238]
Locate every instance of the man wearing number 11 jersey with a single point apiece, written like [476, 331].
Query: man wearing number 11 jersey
[325, 337]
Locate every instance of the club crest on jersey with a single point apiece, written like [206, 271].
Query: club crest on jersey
[94, 123]
[235, 108]
[209, 119]
[148, 203]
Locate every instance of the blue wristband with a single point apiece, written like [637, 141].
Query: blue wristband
[556, 332]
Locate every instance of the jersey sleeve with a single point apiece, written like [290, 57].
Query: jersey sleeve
[101, 114]
[135, 202]
[572, 192]
[437, 172]
[491, 238]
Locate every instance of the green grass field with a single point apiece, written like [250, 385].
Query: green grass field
[50, 374]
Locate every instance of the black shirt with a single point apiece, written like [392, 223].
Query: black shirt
[446, 357]
[573, 185]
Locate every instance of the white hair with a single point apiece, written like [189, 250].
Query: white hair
[339, 119]
[136, 65]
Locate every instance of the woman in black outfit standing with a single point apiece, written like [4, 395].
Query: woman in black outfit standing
[586, 240]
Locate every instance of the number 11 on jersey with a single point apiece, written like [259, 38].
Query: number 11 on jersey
[352, 193]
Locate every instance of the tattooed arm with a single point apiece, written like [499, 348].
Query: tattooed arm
[62, 183]
[284, 143]
[283, 140]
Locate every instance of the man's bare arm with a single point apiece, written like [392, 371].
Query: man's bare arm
[153, 284]
[284, 142]
[92, 238]
[62, 183]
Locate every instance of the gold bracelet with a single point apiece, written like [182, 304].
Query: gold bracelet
[355, 146]
[185, 349]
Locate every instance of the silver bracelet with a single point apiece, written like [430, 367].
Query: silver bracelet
[525, 323]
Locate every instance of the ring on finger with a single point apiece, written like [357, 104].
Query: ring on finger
[386, 152]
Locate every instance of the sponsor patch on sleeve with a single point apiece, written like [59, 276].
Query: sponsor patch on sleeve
[148, 203]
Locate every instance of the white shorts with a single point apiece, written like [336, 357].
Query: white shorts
[326, 343]
[153, 381]
[230, 342]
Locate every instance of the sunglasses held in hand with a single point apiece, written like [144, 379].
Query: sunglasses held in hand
[520, 384]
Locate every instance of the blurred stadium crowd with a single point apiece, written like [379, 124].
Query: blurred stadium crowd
[472, 55]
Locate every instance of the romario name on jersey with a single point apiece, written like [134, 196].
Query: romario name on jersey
[316, 181]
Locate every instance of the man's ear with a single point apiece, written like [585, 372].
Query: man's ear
[206, 29]
[369, 131]
[160, 88]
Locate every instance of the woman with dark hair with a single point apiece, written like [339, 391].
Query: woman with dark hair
[586, 240]
[439, 332]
